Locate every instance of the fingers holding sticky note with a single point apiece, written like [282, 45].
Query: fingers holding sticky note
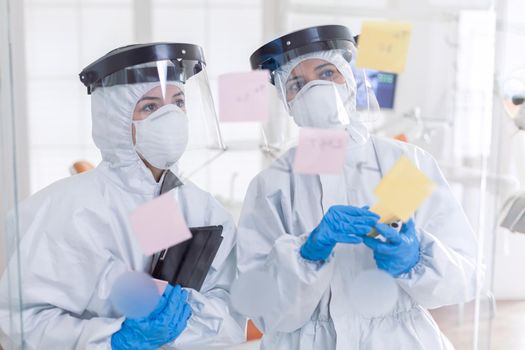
[401, 191]
[159, 224]
[244, 97]
[383, 46]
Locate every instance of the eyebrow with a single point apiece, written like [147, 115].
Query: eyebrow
[323, 65]
[144, 98]
[291, 80]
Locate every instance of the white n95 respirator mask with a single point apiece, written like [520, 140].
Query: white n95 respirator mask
[162, 137]
[323, 104]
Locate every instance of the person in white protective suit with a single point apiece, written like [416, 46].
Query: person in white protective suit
[309, 232]
[76, 239]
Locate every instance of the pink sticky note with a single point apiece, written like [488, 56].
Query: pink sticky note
[244, 97]
[159, 224]
[320, 151]
[161, 285]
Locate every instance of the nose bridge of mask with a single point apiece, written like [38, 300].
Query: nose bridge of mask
[337, 93]
[308, 86]
[161, 112]
[320, 105]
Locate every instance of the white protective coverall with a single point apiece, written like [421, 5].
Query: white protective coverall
[312, 310]
[76, 240]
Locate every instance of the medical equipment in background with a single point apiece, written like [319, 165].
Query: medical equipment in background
[513, 97]
[513, 93]
[514, 214]
[411, 127]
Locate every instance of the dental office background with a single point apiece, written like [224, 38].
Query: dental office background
[449, 100]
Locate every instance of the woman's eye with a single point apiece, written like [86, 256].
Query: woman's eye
[295, 87]
[180, 103]
[327, 74]
[150, 108]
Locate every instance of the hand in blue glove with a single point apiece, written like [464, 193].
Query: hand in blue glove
[341, 224]
[163, 325]
[400, 253]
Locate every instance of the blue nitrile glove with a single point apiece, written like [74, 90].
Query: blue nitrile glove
[341, 224]
[162, 326]
[400, 253]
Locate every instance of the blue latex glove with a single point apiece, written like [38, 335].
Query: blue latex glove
[400, 253]
[163, 325]
[341, 224]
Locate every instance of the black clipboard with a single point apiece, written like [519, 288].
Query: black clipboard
[188, 262]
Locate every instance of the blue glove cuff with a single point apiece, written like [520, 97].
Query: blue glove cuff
[417, 259]
[116, 342]
[315, 252]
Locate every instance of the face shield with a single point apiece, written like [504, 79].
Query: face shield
[314, 77]
[154, 100]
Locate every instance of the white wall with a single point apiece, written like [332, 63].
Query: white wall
[14, 170]
[12, 142]
[61, 38]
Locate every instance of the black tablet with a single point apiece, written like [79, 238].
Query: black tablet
[188, 262]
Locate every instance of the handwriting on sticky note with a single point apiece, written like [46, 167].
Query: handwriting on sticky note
[403, 189]
[159, 224]
[244, 97]
[383, 45]
[320, 151]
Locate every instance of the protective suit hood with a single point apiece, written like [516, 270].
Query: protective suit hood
[112, 110]
[356, 128]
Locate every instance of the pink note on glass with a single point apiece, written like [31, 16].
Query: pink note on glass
[244, 97]
[320, 151]
[161, 285]
[159, 224]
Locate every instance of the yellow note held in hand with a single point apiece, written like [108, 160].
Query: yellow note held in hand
[386, 216]
[383, 45]
[403, 189]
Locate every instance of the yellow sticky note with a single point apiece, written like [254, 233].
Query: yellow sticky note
[385, 214]
[403, 189]
[383, 45]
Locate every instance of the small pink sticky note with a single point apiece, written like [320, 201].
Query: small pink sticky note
[159, 224]
[161, 285]
[320, 151]
[244, 97]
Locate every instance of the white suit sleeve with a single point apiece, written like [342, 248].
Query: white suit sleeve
[60, 269]
[446, 272]
[266, 244]
[213, 323]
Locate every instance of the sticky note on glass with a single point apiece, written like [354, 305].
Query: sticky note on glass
[403, 189]
[161, 285]
[383, 45]
[320, 151]
[244, 97]
[159, 224]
